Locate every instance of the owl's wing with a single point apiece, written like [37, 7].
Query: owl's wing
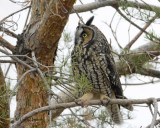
[113, 76]
[108, 66]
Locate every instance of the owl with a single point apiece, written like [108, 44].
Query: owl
[91, 56]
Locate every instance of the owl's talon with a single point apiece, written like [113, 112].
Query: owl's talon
[82, 102]
[102, 102]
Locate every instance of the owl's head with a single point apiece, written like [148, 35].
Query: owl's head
[85, 33]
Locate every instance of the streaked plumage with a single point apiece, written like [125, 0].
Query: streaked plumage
[92, 56]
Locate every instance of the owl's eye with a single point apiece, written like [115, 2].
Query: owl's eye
[84, 35]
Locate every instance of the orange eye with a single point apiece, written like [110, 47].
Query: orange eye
[84, 35]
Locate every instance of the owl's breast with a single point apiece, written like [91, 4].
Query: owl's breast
[92, 64]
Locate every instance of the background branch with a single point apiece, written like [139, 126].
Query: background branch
[150, 72]
[91, 102]
[137, 58]
[128, 46]
[96, 5]
[134, 24]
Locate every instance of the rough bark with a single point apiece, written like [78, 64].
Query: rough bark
[48, 19]
[4, 103]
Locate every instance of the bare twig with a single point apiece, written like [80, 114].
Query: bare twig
[125, 17]
[6, 44]
[7, 70]
[80, 18]
[7, 61]
[45, 82]
[128, 46]
[150, 108]
[114, 32]
[31, 60]
[156, 123]
[20, 80]
[91, 102]
[8, 32]
[47, 85]
[155, 104]
[27, 17]
[16, 59]
[1, 22]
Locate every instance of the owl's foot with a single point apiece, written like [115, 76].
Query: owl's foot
[104, 97]
[84, 99]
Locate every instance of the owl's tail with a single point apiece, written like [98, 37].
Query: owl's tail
[114, 112]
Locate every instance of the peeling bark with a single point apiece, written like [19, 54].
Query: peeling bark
[41, 36]
[4, 103]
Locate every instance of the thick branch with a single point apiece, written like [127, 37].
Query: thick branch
[150, 72]
[96, 5]
[91, 102]
[6, 44]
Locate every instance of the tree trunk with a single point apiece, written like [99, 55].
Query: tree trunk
[42, 34]
[4, 103]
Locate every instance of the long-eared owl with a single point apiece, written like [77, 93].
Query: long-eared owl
[92, 56]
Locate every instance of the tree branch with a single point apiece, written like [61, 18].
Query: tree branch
[8, 32]
[155, 104]
[96, 5]
[134, 24]
[156, 123]
[129, 62]
[16, 59]
[149, 72]
[6, 44]
[91, 102]
[7, 61]
[128, 46]
[20, 80]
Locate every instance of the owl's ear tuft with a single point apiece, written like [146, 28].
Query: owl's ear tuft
[89, 21]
